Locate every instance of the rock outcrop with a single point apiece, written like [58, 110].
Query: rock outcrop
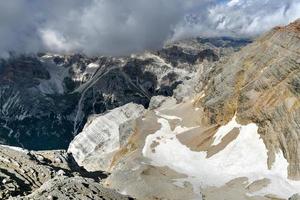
[63, 187]
[295, 197]
[48, 175]
[260, 84]
[23, 171]
[102, 136]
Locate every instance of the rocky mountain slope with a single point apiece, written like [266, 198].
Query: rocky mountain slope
[236, 136]
[49, 97]
[48, 175]
[263, 81]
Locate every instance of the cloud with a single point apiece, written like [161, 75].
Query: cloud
[56, 42]
[16, 25]
[240, 18]
[117, 27]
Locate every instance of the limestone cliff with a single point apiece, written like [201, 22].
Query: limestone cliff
[261, 84]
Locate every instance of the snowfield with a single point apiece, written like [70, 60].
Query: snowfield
[246, 156]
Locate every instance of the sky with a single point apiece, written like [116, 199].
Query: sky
[120, 27]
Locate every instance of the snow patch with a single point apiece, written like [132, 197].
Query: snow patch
[246, 156]
[169, 117]
[224, 130]
[93, 65]
[284, 187]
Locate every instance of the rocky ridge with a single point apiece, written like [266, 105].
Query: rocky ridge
[263, 88]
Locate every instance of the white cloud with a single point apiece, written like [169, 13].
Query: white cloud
[56, 42]
[233, 3]
[241, 18]
[120, 27]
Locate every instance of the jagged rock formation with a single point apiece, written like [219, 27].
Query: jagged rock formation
[48, 175]
[22, 171]
[63, 187]
[295, 197]
[236, 136]
[49, 97]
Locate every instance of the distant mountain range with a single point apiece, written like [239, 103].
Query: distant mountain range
[46, 99]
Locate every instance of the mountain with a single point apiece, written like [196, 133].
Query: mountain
[204, 118]
[48, 97]
[236, 136]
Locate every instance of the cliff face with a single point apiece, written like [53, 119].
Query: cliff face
[90, 148]
[261, 84]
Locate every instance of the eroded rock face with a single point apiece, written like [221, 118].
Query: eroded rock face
[48, 175]
[22, 171]
[63, 187]
[260, 84]
[102, 136]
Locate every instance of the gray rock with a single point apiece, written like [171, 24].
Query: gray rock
[63, 187]
[101, 137]
[40, 158]
[156, 102]
[295, 197]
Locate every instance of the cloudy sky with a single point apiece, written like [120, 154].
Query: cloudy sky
[118, 27]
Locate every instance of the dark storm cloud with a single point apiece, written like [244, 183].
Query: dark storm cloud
[124, 26]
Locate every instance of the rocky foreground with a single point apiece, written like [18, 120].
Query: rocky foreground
[230, 130]
[48, 175]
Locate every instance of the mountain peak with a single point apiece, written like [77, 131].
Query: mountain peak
[292, 27]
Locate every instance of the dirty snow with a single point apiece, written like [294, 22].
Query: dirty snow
[246, 156]
[167, 116]
[224, 130]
